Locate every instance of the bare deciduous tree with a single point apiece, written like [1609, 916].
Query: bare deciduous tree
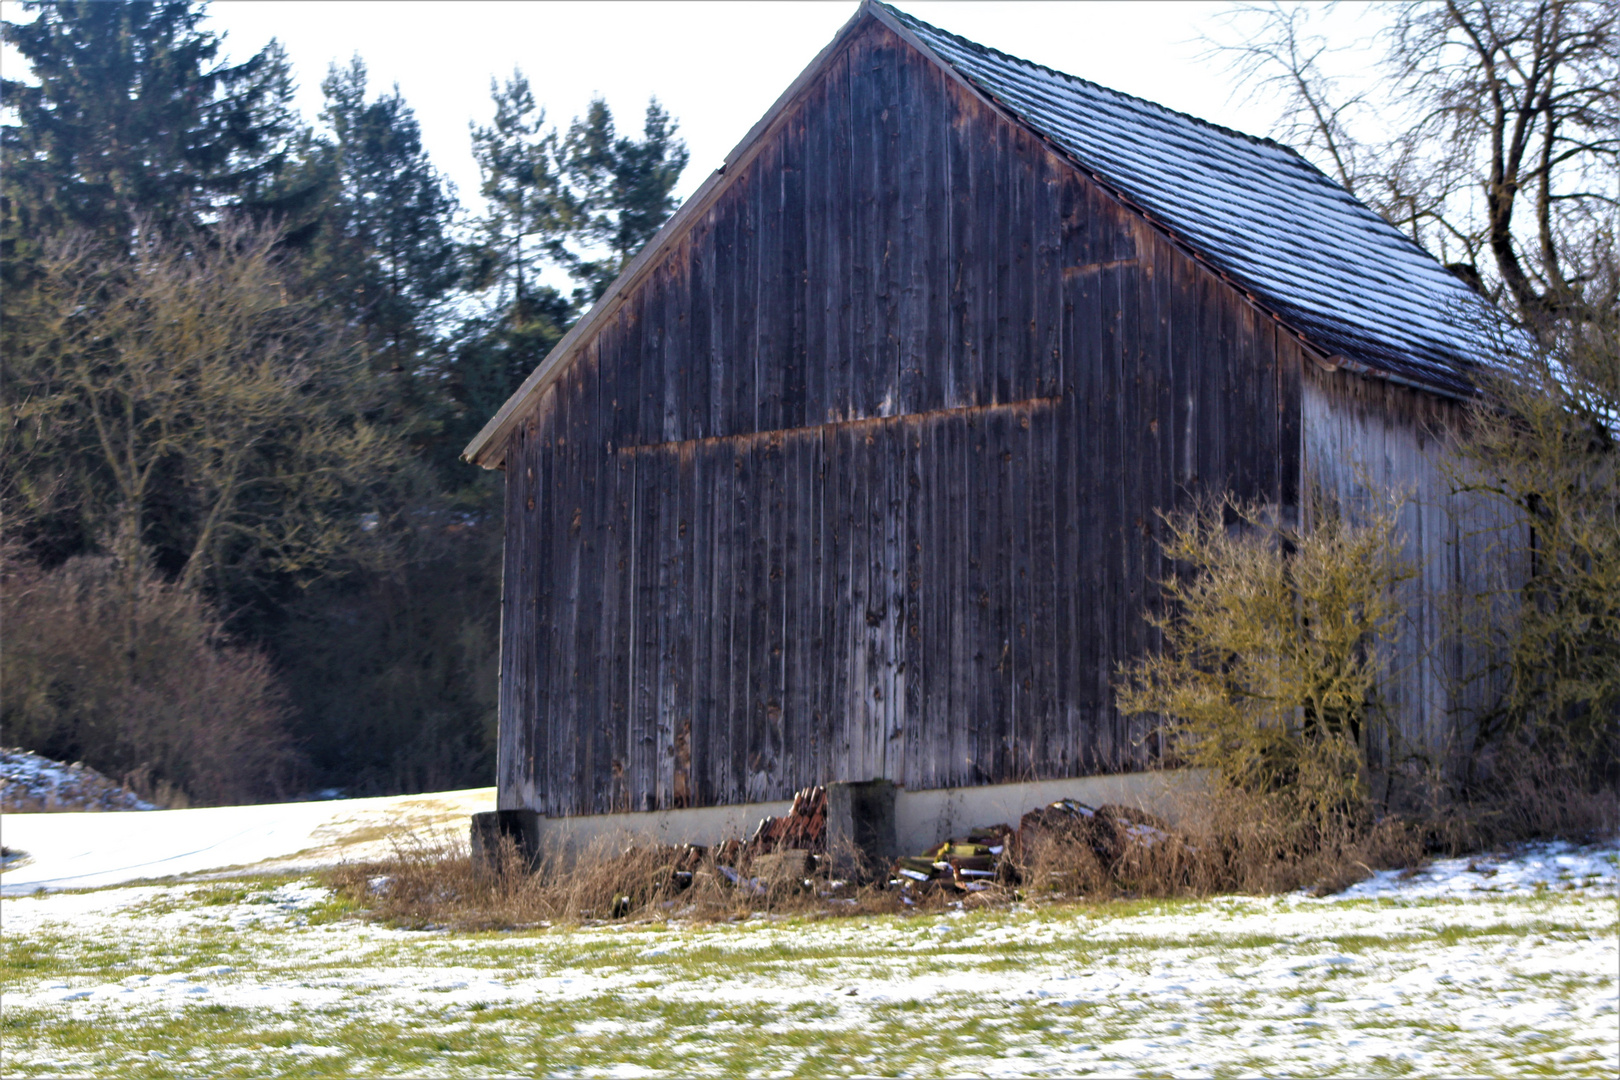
[1492, 137]
[202, 412]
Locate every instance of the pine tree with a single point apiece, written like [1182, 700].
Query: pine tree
[388, 221]
[584, 203]
[619, 189]
[133, 117]
[524, 226]
[521, 234]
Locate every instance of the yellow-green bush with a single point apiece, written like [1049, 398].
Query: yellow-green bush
[1273, 646]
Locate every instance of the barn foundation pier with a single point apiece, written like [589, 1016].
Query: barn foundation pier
[522, 827]
[861, 833]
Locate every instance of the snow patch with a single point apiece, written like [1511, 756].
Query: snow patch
[94, 850]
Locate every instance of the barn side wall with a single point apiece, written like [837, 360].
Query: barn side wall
[861, 481]
[1466, 551]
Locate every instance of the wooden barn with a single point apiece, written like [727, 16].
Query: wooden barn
[853, 474]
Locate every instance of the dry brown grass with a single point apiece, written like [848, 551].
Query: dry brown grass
[1234, 842]
[1522, 791]
[435, 882]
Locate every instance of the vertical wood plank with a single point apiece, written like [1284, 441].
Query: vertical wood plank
[685, 594]
[913, 671]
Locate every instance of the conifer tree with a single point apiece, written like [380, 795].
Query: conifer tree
[584, 202]
[385, 252]
[132, 115]
[620, 190]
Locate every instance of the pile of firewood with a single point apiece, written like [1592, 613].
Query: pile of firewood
[789, 851]
[969, 863]
[804, 828]
[783, 851]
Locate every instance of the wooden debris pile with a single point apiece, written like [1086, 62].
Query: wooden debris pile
[782, 853]
[682, 864]
[992, 855]
[804, 828]
[789, 853]
[969, 863]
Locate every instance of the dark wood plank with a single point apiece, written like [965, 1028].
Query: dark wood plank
[709, 691]
[1007, 495]
[769, 303]
[619, 603]
[865, 550]
[911, 672]
[868, 180]
[769, 613]
[792, 312]
[797, 602]
[825, 715]
[1291, 364]
[840, 239]
[1112, 474]
[1048, 743]
[840, 601]
[740, 598]
[697, 422]
[893, 628]
[684, 595]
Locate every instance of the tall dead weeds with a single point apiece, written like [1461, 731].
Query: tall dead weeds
[434, 881]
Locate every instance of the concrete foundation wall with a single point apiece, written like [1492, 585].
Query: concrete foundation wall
[922, 818]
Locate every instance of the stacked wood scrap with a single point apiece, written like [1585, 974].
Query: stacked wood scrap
[969, 863]
[973, 862]
[803, 828]
[782, 852]
[681, 864]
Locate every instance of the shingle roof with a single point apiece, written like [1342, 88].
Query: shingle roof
[1306, 248]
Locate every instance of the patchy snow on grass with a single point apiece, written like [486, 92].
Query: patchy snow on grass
[1497, 965]
[1539, 866]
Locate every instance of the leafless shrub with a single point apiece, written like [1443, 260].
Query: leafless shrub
[107, 663]
[1524, 790]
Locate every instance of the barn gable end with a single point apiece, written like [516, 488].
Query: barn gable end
[858, 477]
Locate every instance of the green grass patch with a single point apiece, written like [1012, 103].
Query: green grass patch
[313, 990]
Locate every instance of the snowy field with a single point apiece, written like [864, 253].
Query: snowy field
[1492, 966]
[89, 850]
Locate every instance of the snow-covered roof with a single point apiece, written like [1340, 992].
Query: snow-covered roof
[1302, 245]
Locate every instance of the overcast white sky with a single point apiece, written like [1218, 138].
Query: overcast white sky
[716, 66]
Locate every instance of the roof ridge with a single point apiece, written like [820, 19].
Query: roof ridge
[980, 47]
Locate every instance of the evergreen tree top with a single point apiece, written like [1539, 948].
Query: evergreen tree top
[131, 111]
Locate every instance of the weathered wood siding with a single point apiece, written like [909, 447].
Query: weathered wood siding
[1464, 549]
[861, 480]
